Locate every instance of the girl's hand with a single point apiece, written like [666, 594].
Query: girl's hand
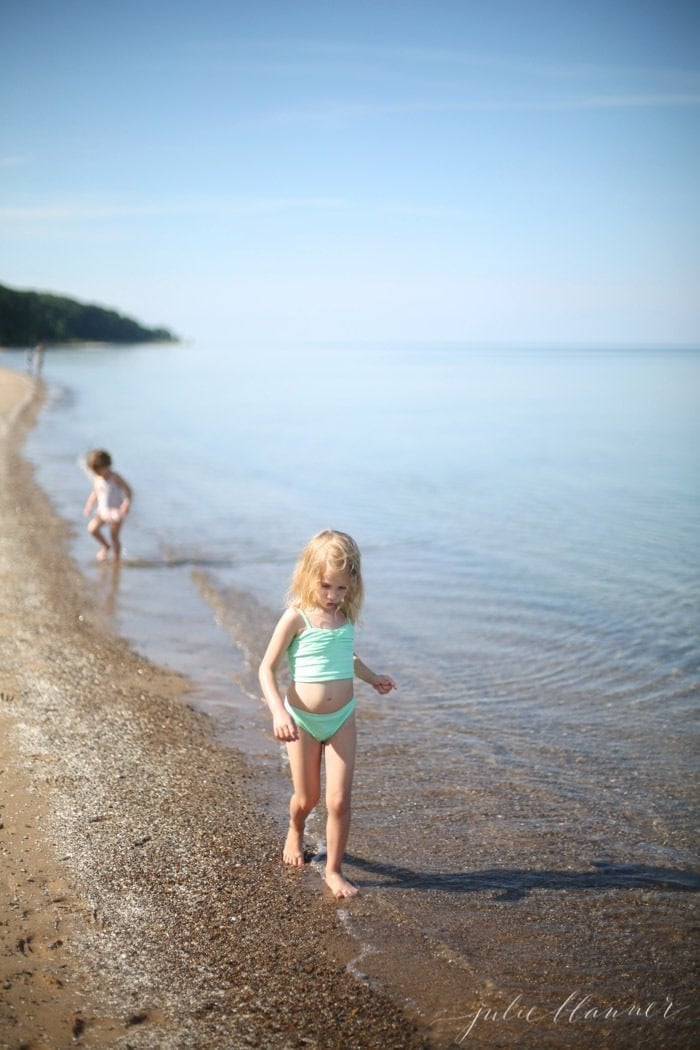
[285, 728]
[383, 684]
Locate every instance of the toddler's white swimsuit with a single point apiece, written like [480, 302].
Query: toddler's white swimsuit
[109, 498]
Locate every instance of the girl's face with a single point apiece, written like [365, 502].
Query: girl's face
[331, 589]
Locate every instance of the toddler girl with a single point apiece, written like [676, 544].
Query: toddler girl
[113, 498]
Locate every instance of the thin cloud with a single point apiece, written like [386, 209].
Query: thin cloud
[320, 58]
[427, 211]
[342, 112]
[651, 101]
[76, 211]
[14, 162]
[396, 56]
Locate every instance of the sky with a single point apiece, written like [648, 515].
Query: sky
[501, 172]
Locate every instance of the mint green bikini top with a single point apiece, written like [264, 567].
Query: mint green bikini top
[322, 654]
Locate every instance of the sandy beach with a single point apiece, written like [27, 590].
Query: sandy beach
[142, 898]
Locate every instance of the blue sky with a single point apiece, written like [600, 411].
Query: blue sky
[488, 172]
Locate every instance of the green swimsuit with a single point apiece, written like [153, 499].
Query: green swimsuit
[321, 654]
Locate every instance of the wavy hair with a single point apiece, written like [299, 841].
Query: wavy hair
[334, 550]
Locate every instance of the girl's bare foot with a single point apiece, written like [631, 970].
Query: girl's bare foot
[102, 553]
[339, 886]
[294, 849]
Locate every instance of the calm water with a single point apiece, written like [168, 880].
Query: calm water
[529, 524]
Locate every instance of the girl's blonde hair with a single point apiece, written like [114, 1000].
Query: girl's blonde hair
[327, 550]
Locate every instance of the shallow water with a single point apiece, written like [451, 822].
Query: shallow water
[529, 526]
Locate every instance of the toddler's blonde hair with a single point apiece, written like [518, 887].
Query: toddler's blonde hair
[334, 550]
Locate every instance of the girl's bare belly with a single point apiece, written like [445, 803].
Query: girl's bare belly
[320, 697]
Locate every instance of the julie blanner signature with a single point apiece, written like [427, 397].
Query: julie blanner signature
[577, 1008]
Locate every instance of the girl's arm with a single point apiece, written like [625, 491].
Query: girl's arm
[383, 683]
[89, 503]
[283, 725]
[124, 486]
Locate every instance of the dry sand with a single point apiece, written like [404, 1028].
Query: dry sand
[142, 898]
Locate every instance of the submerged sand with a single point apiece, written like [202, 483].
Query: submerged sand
[142, 898]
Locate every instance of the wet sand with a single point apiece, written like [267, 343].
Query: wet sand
[142, 898]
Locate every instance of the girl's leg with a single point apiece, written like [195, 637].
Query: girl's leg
[340, 766]
[114, 529]
[305, 764]
[94, 528]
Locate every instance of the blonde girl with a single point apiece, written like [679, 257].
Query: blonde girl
[317, 716]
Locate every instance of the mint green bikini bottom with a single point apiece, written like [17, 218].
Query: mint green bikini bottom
[321, 727]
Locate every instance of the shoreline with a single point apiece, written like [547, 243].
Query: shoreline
[143, 898]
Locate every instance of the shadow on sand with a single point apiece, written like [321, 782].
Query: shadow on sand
[514, 884]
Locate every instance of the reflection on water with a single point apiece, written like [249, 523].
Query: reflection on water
[107, 588]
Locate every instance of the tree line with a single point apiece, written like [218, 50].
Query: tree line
[27, 318]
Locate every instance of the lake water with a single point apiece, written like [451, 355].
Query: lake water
[529, 522]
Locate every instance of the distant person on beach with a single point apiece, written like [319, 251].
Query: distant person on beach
[35, 360]
[317, 716]
[111, 498]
